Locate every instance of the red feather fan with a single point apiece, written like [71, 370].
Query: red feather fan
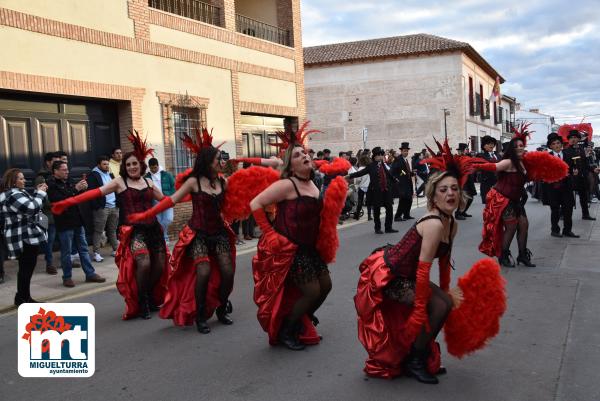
[477, 319]
[243, 186]
[336, 167]
[335, 197]
[461, 166]
[319, 163]
[140, 147]
[542, 166]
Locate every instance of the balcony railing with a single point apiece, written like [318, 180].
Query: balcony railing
[251, 27]
[193, 9]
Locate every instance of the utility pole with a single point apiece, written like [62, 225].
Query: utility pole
[446, 114]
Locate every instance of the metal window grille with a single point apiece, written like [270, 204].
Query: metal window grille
[183, 124]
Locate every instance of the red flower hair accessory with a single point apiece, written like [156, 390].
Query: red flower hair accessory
[203, 140]
[460, 166]
[140, 147]
[522, 132]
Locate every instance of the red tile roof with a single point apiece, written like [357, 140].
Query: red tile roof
[394, 47]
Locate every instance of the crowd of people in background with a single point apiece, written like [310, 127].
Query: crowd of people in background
[378, 178]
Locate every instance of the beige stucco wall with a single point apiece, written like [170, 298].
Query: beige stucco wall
[23, 50]
[267, 90]
[397, 101]
[105, 15]
[474, 126]
[214, 47]
[260, 10]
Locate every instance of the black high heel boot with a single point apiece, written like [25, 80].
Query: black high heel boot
[525, 258]
[416, 367]
[201, 324]
[287, 336]
[144, 307]
[506, 259]
[222, 313]
[151, 304]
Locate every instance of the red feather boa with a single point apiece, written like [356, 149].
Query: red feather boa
[542, 166]
[477, 319]
[336, 167]
[335, 197]
[243, 186]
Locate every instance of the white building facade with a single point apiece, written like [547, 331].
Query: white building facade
[541, 126]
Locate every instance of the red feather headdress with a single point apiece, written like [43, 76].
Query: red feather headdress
[458, 165]
[203, 140]
[522, 132]
[289, 137]
[140, 147]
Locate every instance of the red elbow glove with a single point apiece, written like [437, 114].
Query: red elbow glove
[261, 219]
[486, 167]
[251, 160]
[160, 207]
[418, 317]
[60, 207]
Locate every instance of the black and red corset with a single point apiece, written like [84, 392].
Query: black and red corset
[206, 214]
[299, 219]
[133, 200]
[403, 258]
[511, 184]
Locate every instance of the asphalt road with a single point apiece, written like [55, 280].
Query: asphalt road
[547, 349]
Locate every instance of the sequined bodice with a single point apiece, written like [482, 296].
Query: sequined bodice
[133, 200]
[206, 214]
[511, 184]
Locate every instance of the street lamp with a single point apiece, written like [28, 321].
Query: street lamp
[446, 114]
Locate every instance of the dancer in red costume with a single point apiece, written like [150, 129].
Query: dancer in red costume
[290, 268]
[142, 256]
[400, 312]
[504, 213]
[203, 260]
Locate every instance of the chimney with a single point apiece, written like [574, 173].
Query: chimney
[534, 110]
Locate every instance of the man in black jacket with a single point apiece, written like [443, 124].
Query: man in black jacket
[488, 178]
[578, 166]
[402, 171]
[559, 195]
[69, 225]
[468, 188]
[380, 191]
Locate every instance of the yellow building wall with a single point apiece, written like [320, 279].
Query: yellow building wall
[214, 47]
[267, 90]
[260, 10]
[32, 53]
[105, 15]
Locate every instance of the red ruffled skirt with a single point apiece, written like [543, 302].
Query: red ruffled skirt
[273, 293]
[493, 229]
[126, 282]
[381, 321]
[180, 300]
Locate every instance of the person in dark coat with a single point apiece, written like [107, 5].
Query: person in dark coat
[578, 165]
[488, 178]
[559, 195]
[469, 187]
[401, 170]
[380, 190]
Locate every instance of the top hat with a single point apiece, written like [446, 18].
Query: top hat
[487, 140]
[553, 137]
[405, 145]
[573, 133]
[377, 151]
[462, 146]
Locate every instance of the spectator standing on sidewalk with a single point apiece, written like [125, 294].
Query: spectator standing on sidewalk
[41, 178]
[115, 161]
[21, 215]
[104, 209]
[164, 181]
[69, 225]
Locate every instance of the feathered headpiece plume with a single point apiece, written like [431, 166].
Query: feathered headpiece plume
[459, 166]
[140, 147]
[522, 132]
[203, 140]
[289, 137]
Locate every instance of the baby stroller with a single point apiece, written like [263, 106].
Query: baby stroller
[350, 205]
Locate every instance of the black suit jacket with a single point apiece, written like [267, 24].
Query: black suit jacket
[560, 192]
[374, 184]
[489, 178]
[401, 171]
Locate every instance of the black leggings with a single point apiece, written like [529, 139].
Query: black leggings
[27, 262]
[202, 277]
[148, 270]
[314, 293]
[438, 309]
